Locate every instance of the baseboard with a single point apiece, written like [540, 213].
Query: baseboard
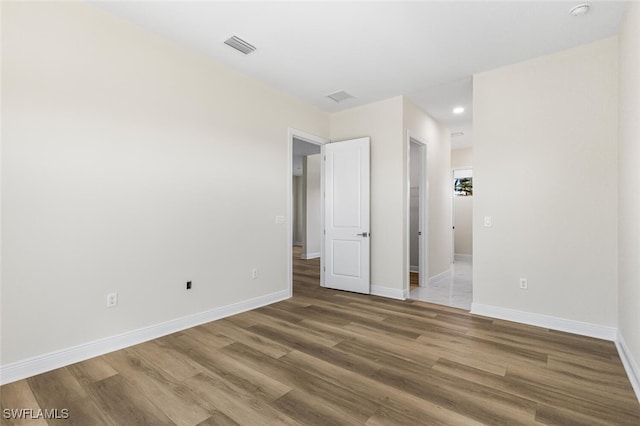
[391, 293]
[630, 365]
[414, 268]
[30, 367]
[463, 257]
[297, 243]
[310, 256]
[441, 275]
[545, 321]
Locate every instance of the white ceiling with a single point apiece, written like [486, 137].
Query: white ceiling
[375, 50]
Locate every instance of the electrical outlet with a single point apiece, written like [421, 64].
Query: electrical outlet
[112, 300]
[254, 273]
[188, 285]
[524, 284]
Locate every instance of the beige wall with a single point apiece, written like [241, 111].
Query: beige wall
[462, 158]
[125, 168]
[545, 170]
[420, 125]
[629, 184]
[382, 122]
[463, 221]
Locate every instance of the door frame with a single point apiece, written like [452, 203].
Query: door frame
[316, 140]
[423, 221]
[453, 215]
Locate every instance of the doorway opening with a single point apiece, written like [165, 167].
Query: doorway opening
[462, 214]
[417, 275]
[304, 177]
[457, 289]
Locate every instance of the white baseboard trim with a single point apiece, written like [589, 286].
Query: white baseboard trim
[413, 268]
[441, 275]
[297, 243]
[630, 365]
[545, 321]
[42, 363]
[466, 257]
[391, 293]
[310, 256]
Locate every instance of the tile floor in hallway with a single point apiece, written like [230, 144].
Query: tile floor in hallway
[453, 290]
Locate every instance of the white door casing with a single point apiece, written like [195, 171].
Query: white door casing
[422, 225]
[346, 257]
[310, 138]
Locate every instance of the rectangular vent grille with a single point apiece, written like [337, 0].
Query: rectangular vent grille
[340, 96]
[240, 45]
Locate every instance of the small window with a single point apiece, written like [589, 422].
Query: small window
[463, 183]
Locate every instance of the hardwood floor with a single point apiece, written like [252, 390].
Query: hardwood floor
[328, 357]
[414, 280]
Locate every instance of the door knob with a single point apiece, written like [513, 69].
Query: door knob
[364, 234]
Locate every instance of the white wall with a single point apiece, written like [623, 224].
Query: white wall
[438, 139]
[124, 168]
[545, 170]
[628, 190]
[312, 164]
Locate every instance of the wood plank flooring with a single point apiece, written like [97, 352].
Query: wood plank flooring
[414, 280]
[335, 358]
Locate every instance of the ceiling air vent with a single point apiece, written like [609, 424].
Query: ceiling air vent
[340, 96]
[240, 45]
[457, 134]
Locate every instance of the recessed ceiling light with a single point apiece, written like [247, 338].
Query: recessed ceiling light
[458, 110]
[580, 9]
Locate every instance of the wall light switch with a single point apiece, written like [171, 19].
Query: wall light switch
[487, 221]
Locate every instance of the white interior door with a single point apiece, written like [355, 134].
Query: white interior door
[346, 215]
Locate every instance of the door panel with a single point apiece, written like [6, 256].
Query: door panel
[347, 191]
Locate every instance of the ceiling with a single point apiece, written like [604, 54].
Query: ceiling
[374, 50]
